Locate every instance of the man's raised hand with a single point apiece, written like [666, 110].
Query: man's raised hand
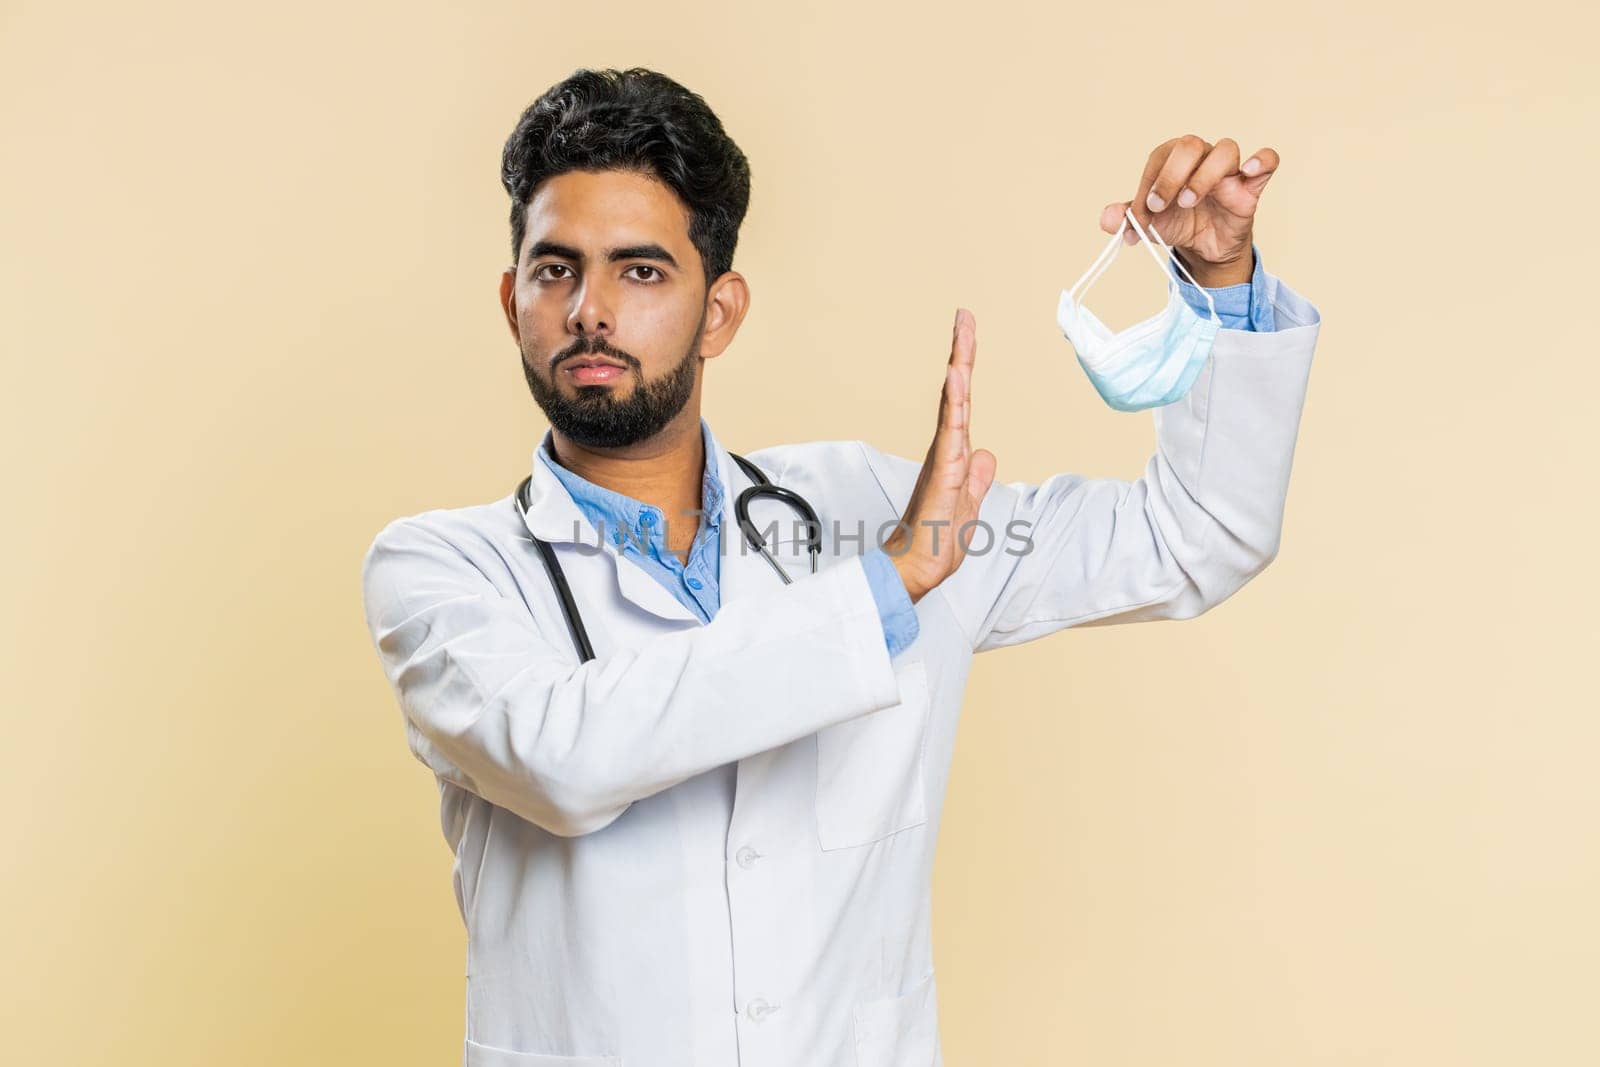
[1202, 202]
[931, 542]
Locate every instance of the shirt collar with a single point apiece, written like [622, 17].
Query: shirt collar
[617, 512]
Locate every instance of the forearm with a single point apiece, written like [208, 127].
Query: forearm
[1204, 517]
[497, 708]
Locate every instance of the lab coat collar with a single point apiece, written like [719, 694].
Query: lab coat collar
[555, 517]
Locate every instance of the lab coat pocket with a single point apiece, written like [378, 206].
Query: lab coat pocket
[869, 769]
[487, 1056]
[899, 1031]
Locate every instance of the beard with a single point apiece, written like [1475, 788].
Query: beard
[595, 418]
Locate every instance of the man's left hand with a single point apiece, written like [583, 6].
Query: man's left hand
[1202, 202]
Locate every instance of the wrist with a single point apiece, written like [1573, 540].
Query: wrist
[1209, 275]
[897, 556]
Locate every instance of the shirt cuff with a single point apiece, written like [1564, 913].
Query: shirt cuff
[895, 610]
[1245, 306]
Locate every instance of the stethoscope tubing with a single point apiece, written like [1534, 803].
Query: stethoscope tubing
[741, 509]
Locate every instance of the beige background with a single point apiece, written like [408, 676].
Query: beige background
[248, 313]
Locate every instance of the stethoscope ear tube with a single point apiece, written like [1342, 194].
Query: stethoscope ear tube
[741, 509]
[558, 578]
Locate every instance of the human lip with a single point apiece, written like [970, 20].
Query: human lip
[593, 370]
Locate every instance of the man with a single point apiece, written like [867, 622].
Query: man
[711, 843]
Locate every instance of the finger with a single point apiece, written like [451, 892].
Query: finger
[953, 419]
[1186, 154]
[1111, 217]
[1221, 161]
[1258, 168]
[946, 398]
[964, 344]
[1152, 168]
[967, 359]
[963, 356]
[949, 411]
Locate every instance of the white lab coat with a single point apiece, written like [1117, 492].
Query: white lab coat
[712, 845]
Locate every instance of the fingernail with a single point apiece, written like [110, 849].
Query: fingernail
[1130, 237]
[1187, 198]
[1154, 202]
[1251, 165]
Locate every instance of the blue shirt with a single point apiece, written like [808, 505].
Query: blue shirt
[638, 529]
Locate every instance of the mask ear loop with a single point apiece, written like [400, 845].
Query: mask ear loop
[1171, 259]
[1099, 266]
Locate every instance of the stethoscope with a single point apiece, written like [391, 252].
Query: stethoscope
[741, 509]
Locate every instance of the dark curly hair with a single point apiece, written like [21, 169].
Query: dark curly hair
[638, 120]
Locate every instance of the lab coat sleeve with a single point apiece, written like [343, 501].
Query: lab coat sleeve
[492, 705]
[1203, 519]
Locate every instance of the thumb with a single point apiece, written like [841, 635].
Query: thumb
[1258, 183]
[980, 475]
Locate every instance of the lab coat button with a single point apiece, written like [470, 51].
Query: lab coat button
[747, 857]
[759, 1009]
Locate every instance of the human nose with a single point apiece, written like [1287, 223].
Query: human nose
[592, 311]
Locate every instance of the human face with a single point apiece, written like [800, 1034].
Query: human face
[608, 306]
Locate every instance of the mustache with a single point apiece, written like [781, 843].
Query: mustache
[595, 347]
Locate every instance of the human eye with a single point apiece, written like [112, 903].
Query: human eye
[538, 272]
[653, 270]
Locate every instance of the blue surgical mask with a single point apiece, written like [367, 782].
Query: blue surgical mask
[1150, 363]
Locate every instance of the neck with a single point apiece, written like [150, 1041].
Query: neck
[665, 471]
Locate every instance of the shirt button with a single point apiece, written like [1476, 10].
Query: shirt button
[694, 583]
[759, 1009]
[647, 518]
[747, 857]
